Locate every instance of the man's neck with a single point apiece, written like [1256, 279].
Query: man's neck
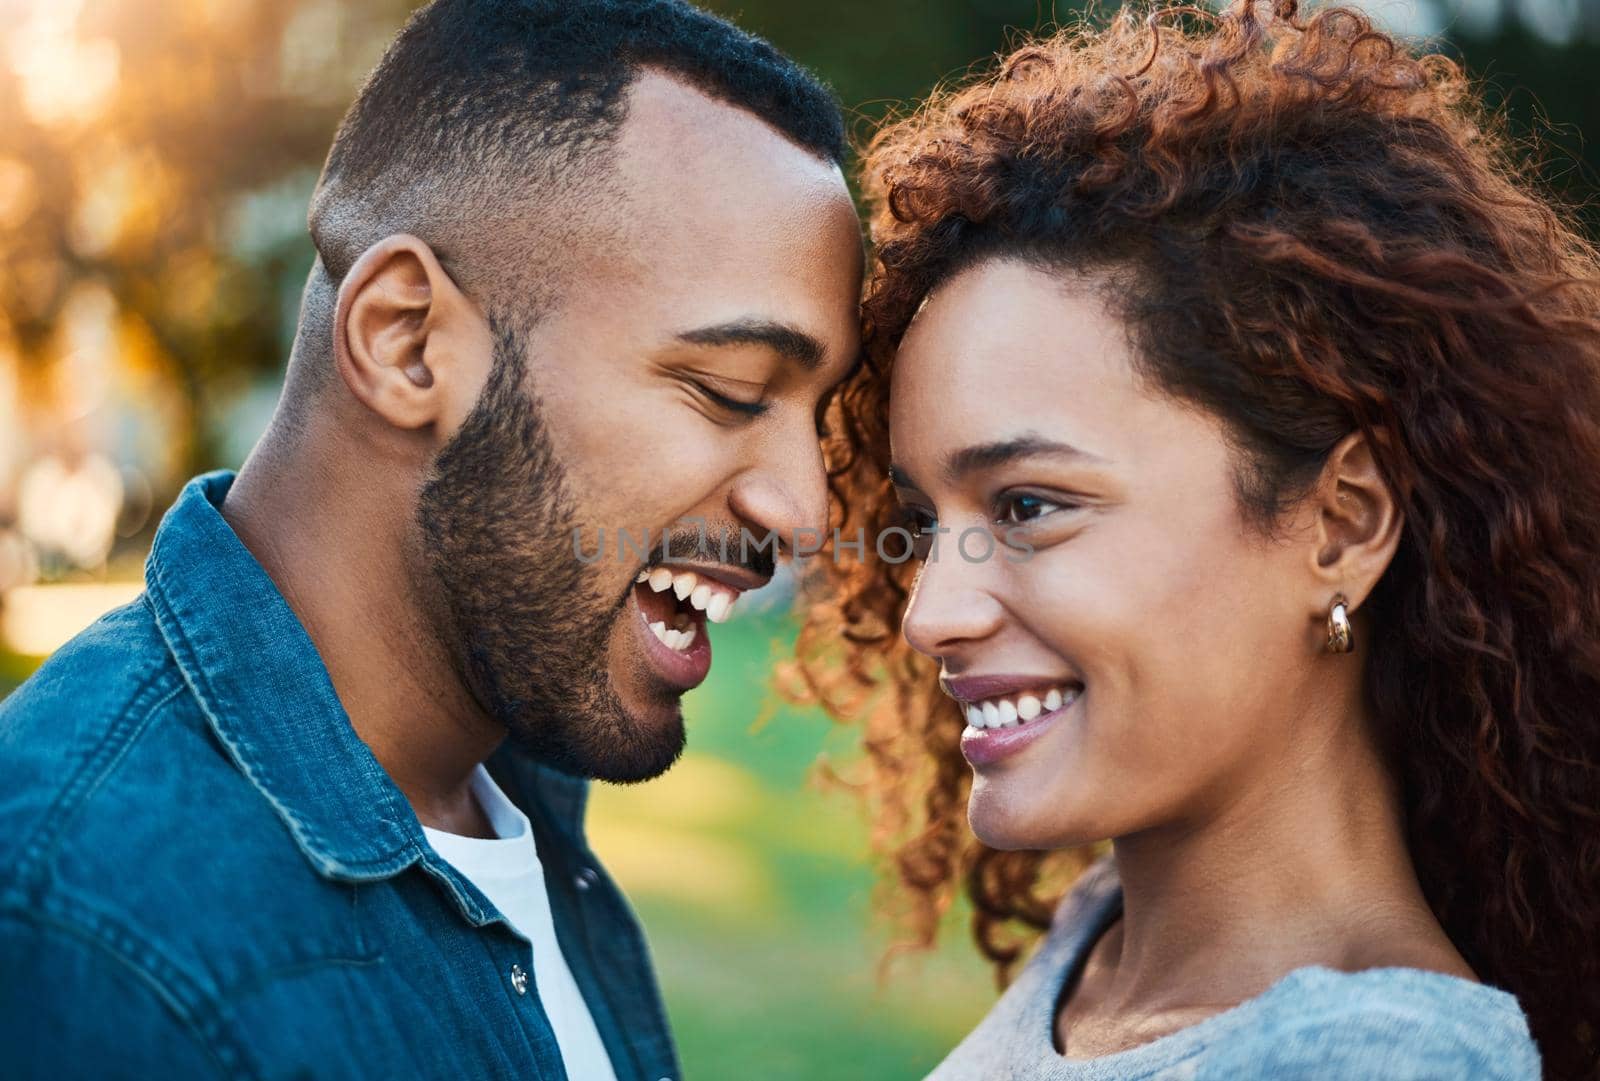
[335, 546]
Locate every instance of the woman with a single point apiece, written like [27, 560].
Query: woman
[1246, 406]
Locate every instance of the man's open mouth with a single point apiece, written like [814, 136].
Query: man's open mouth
[677, 603]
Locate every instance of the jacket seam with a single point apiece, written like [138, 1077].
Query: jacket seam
[132, 720]
[181, 995]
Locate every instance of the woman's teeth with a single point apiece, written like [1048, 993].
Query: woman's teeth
[708, 596]
[1011, 711]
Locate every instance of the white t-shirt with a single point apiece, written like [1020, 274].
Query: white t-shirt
[508, 871]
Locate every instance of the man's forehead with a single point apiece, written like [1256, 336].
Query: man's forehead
[708, 198]
[678, 137]
[713, 219]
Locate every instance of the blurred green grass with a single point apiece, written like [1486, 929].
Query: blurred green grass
[765, 940]
[13, 670]
[755, 887]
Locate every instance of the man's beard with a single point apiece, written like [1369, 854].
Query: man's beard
[526, 626]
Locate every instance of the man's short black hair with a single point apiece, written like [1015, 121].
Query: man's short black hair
[479, 106]
[541, 77]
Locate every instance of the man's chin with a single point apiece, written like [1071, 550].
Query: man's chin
[636, 770]
[621, 749]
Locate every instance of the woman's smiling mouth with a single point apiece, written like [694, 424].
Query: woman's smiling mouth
[1004, 714]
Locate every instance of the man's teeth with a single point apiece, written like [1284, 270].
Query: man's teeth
[679, 638]
[1011, 711]
[704, 594]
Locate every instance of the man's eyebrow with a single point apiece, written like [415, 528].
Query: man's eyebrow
[781, 338]
[899, 478]
[1029, 445]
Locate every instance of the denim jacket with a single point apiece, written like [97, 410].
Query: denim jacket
[205, 872]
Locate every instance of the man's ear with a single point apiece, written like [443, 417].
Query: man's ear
[1358, 525]
[410, 345]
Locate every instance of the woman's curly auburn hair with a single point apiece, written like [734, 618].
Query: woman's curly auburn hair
[1312, 232]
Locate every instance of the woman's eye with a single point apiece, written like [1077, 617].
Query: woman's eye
[921, 524]
[915, 519]
[1019, 509]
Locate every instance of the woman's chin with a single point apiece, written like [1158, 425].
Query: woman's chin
[1012, 821]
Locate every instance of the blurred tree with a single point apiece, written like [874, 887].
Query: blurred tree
[165, 155]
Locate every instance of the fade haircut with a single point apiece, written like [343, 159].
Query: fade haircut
[484, 112]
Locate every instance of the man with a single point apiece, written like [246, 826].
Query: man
[581, 268]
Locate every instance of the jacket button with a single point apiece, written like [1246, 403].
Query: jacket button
[519, 979]
[586, 878]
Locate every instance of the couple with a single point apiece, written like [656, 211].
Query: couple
[1241, 409]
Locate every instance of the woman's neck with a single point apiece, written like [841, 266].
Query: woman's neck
[1306, 864]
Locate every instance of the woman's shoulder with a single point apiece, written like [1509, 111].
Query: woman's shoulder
[1401, 1023]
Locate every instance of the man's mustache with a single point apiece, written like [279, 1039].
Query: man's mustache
[727, 544]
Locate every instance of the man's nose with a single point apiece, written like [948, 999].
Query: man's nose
[785, 491]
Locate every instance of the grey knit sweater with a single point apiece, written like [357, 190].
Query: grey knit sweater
[1396, 1024]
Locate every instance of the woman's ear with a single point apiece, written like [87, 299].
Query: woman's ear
[409, 344]
[1358, 524]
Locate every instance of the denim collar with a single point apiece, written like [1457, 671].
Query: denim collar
[264, 690]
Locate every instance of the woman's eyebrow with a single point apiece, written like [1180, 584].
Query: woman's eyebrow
[1028, 445]
[901, 479]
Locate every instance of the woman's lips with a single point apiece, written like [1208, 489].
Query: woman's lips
[1005, 730]
[972, 689]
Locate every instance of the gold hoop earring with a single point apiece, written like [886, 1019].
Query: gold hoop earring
[1341, 638]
